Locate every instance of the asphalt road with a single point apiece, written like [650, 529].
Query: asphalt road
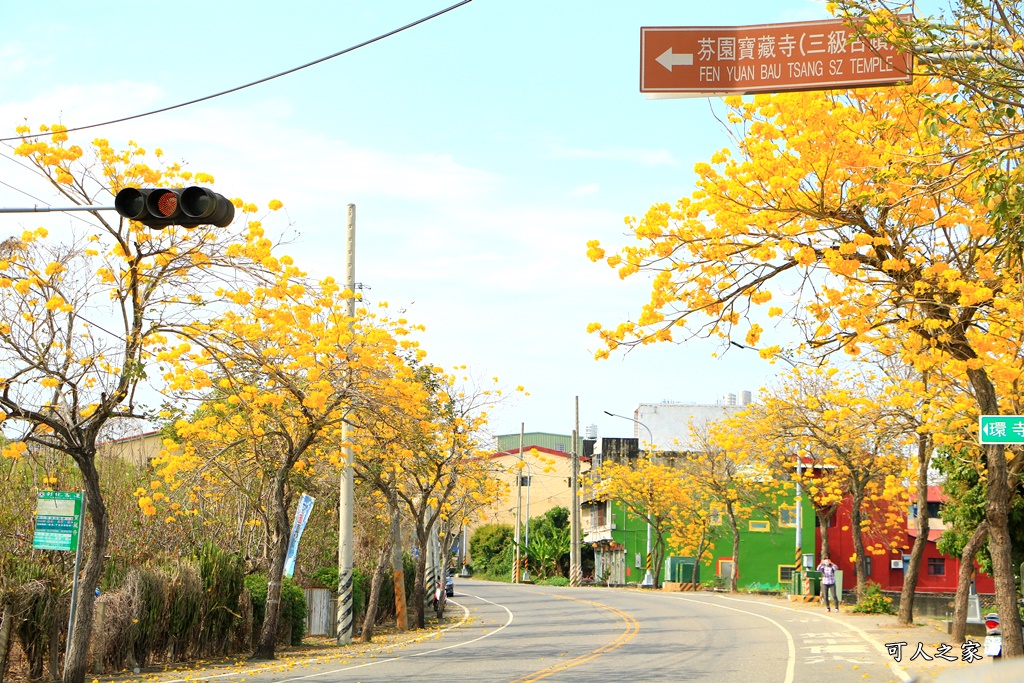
[515, 634]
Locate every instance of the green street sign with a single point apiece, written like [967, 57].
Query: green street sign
[58, 520]
[996, 429]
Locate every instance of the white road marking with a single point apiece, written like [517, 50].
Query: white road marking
[791, 645]
[900, 672]
[391, 646]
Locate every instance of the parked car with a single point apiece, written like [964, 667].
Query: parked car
[449, 583]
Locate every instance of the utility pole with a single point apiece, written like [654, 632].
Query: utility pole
[648, 581]
[525, 576]
[575, 570]
[799, 566]
[346, 493]
[519, 505]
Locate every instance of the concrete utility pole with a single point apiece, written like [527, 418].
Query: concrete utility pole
[346, 493]
[799, 516]
[519, 505]
[575, 570]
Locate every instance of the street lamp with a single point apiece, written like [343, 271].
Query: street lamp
[649, 576]
[798, 499]
[782, 354]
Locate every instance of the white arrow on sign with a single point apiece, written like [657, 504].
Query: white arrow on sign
[668, 60]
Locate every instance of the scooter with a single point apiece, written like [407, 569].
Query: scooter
[993, 636]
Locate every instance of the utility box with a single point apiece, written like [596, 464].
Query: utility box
[682, 569]
[815, 581]
[806, 582]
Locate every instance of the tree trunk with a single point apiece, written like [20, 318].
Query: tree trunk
[997, 514]
[398, 569]
[700, 553]
[963, 584]
[859, 564]
[6, 627]
[824, 517]
[910, 574]
[419, 592]
[266, 647]
[734, 580]
[75, 665]
[370, 620]
[658, 559]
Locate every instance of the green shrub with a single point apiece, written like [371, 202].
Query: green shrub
[554, 581]
[184, 596]
[493, 550]
[293, 607]
[873, 601]
[148, 590]
[222, 574]
[325, 577]
[714, 582]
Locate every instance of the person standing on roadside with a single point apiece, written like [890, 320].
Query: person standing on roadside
[828, 581]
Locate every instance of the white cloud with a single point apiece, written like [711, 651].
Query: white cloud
[582, 190]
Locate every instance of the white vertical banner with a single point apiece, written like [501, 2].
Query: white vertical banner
[301, 517]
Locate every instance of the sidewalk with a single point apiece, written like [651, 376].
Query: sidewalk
[928, 634]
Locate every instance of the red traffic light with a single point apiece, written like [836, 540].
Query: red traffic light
[162, 203]
[189, 207]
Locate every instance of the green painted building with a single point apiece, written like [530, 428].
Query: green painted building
[767, 536]
[767, 545]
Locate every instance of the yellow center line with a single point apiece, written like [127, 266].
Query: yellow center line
[632, 626]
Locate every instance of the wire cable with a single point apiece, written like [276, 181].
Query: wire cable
[247, 85]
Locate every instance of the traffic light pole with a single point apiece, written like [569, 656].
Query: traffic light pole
[55, 209]
[346, 493]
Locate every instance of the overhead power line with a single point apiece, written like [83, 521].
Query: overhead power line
[249, 85]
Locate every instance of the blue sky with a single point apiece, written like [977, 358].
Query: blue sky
[482, 150]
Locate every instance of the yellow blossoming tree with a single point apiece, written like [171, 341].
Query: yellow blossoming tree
[835, 216]
[82, 317]
[276, 376]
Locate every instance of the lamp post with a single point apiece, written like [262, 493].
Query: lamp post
[798, 501]
[649, 576]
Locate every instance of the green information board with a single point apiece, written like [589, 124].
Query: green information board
[58, 520]
[995, 429]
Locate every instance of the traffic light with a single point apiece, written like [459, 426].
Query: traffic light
[189, 207]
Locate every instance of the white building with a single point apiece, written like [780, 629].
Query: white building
[669, 423]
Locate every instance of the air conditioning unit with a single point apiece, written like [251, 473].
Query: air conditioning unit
[896, 564]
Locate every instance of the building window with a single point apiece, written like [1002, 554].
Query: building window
[936, 566]
[787, 516]
[759, 525]
[934, 509]
[867, 565]
[785, 573]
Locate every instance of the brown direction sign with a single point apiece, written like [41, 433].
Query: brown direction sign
[807, 55]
